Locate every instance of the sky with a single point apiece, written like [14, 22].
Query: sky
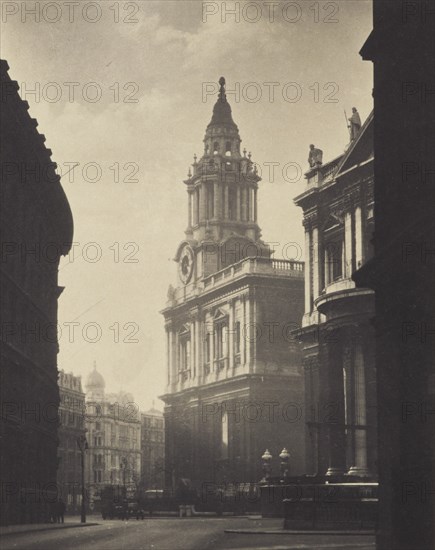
[123, 92]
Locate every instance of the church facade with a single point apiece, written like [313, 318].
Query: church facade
[234, 382]
[337, 329]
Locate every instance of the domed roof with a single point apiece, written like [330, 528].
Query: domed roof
[95, 379]
[222, 110]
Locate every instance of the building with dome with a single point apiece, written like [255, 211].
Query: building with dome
[234, 380]
[114, 439]
[71, 428]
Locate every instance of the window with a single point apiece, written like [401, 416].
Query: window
[334, 260]
[237, 338]
[228, 149]
[184, 351]
[221, 340]
[215, 148]
[207, 350]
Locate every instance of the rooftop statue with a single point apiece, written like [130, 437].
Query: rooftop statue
[315, 156]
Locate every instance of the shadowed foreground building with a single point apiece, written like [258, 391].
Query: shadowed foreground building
[36, 230]
[337, 333]
[230, 375]
[402, 272]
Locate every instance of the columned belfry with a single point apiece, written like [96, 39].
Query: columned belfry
[222, 197]
[231, 366]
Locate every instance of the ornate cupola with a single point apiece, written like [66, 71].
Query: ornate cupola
[222, 192]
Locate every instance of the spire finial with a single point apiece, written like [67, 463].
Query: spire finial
[222, 88]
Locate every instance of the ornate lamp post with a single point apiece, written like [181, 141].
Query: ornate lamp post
[266, 458]
[83, 446]
[124, 467]
[284, 456]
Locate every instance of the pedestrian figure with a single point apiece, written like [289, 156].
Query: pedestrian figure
[53, 512]
[60, 511]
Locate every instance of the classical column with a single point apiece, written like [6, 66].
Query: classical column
[238, 203]
[225, 205]
[316, 263]
[231, 328]
[255, 205]
[189, 213]
[211, 340]
[347, 271]
[360, 413]
[173, 360]
[168, 354]
[176, 364]
[249, 330]
[243, 333]
[192, 349]
[217, 201]
[359, 238]
[334, 412]
[307, 269]
[202, 203]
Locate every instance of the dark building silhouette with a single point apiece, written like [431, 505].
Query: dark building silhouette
[337, 333]
[230, 375]
[402, 48]
[36, 230]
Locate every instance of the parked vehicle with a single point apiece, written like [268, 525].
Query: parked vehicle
[113, 502]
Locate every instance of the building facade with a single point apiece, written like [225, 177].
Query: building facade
[337, 331]
[402, 272]
[36, 230]
[114, 442]
[71, 427]
[231, 368]
[153, 449]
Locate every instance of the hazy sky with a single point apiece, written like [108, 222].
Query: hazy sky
[149, 62]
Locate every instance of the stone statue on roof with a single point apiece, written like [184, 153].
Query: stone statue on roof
[355, 124]
[315, 156]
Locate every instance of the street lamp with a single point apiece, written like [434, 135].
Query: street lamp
[284, 456]
[266, 458]
[124, 466]
[83, 446]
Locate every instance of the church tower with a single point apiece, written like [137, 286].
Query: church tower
[222, 201]
[233, 367]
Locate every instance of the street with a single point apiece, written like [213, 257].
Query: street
[178, 534]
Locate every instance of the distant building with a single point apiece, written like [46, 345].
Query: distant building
[153, 449]
[231, 371]
[71, 427]
[337, 330]
[113, 433]
[36, 230]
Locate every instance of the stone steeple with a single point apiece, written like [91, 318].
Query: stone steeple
[222, 193]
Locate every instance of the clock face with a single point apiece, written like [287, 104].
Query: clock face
[185, 264]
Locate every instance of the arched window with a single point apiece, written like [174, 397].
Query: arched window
[215, 148]
[228, 149]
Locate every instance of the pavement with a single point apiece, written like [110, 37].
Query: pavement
[34, 527]
[199, 533]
